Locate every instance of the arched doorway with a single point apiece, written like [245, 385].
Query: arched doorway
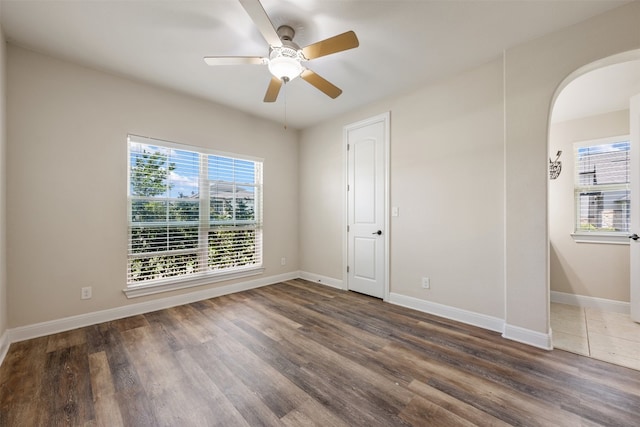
[589, 248]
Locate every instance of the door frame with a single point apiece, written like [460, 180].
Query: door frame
[630, 55]
[385, 118]
[634, 251]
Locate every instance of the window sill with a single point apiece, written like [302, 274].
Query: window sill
[134, 291]
[601, 238]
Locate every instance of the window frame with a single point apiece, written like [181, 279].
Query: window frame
[596, 236]
[205, 224]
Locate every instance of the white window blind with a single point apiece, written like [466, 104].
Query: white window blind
[602, 191]
[191, 213]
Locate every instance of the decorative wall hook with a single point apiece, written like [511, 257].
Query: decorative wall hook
[555, 166]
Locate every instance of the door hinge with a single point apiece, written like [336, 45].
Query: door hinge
[347, 268]
[347, 228]
[347, 187]
[348, 145]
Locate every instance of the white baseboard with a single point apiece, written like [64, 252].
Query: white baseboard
[527, 336]
[323, 280]
[4, 346]
[22, 333]
[591, 302]
[515, 333]
[448, 312]
[73, 322]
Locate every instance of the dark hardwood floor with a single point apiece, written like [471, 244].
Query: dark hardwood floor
[298, 354]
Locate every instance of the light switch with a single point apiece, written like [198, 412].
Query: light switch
[395, 211]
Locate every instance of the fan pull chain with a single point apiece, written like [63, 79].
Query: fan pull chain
[285, 104]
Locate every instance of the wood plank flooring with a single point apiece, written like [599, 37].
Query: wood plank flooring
[300, 354]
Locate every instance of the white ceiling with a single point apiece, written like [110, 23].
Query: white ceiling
[599, 91]
[403, 44]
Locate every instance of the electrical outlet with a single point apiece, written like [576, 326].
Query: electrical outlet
[85, 293]
[426, 283]
[283, 261]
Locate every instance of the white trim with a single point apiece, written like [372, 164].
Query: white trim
[602, 238]
[527, 336]
[514, 333]
[448, 312]
[135, 291]
[580, 236]
[601, 141]
[591, 302]
[4, 345]
[323, 280]
[73, 322]
[141, 139]
[202, 274]
[385, 118]
[22, 333]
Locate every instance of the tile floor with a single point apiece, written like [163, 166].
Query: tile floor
[604, 335]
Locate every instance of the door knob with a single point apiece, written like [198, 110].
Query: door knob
[634, 236]
[379, 232]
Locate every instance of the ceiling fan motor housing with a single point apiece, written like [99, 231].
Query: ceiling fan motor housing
[286, 33]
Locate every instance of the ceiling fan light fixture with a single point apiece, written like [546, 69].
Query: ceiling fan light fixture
[286, 58]
[284, 63]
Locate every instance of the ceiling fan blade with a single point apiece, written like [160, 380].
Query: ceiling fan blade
[321, 84]
[234, 60]
[334, 44]
[261, 19]
[273, 90]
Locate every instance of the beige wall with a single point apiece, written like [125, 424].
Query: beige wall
[594, 270]
[3, 190]
[67, 174]
[446, 180]
[534, 72]
[469, 173]
[321, 201]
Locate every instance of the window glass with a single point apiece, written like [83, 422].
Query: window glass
[191, 212]
[602, 192]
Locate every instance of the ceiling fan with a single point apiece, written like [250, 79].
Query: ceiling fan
[285, 56]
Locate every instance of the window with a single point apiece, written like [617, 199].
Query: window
[192, 215]
[602, 188]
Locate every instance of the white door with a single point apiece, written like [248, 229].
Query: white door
[367, 241]
[634, 251]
